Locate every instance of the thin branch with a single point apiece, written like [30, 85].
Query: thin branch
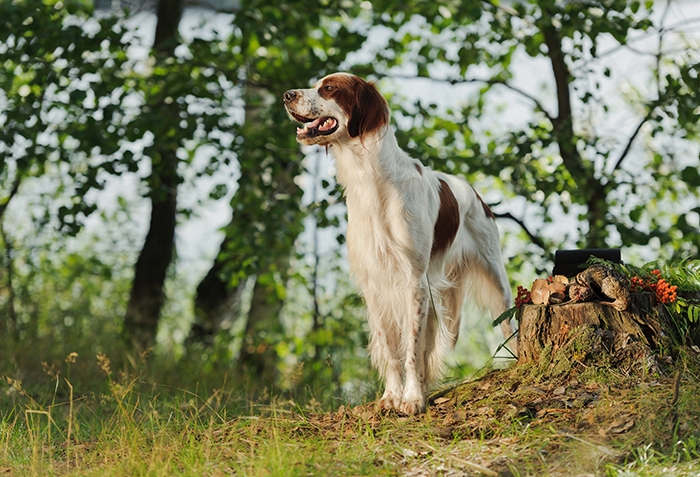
[316, 326]
[661, 31]
[490, 82]
[674, 402]
[533, 238]
[471, 465]
[683, 23]
[587, 62]
[648, 116]
[628, 146]
[525, 95]
[659, 54]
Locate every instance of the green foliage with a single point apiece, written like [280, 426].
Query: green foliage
[60, 86]
[66, 297]
[684, 308]
[78, 111]
[324, 353]
[304, 41]
[297, 42]
[76, 103]
[631, 190]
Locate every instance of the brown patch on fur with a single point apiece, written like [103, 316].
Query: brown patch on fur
[419, 169]
[366, 108]
[447, 222]
[487, 209]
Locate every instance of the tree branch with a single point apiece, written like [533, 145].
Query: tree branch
[490, 82]
[533, 238]
[628, 146]
[524, 94]
[660, 31]
[592, 189]
[659, 56]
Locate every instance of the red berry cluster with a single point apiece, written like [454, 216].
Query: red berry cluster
[523, 296]
[664, 291]
[637, 285]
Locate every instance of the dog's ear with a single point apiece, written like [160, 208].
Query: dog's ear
[370, 110]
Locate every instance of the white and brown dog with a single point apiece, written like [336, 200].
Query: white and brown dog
[418, 240]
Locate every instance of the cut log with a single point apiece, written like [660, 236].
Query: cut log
[584, 329]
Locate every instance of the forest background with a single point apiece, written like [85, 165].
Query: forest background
[155, 209]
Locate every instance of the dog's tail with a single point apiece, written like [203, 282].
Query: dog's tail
[491, 291]
[483, 283]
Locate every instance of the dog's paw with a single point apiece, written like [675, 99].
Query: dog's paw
[389, 401]
[410, 407]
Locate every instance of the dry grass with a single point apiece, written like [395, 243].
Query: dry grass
[510, 422]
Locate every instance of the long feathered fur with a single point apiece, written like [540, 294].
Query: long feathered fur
[419, 241]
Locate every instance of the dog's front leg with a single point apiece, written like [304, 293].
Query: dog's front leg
[393, 390]
[384, 348]
[414, 343]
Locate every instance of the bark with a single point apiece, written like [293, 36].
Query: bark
[591, 329]
[147, 293]
[12, 324]
[217, 304]
[593, 190]
[258, 357]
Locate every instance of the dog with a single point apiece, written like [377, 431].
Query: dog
[418, 240]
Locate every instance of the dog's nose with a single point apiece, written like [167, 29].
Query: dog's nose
[289, 96]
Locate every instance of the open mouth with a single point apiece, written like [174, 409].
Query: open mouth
[322, 126]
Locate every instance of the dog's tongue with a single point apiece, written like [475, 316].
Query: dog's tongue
[314, 124]
[322, 124]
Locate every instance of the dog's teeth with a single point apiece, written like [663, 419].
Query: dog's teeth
[327, 124]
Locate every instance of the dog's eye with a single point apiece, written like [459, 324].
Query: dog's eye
[328, 88]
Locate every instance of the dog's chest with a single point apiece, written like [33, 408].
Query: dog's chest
[379, 229]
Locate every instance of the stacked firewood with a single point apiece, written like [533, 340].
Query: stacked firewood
[596, 282]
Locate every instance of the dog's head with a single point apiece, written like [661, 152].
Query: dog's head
[339, 107]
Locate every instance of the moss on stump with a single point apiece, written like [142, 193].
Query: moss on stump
[557, 336]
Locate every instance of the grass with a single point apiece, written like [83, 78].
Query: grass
[506, 423]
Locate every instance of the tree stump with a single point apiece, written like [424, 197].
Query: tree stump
[585, 330]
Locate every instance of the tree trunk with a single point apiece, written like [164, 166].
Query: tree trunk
[258, 356]
[217, 304]
[579, 331]
[11, 323]
[563, 131]
[147, 293]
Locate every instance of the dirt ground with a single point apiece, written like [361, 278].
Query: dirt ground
[523, 421]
